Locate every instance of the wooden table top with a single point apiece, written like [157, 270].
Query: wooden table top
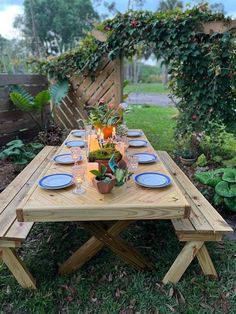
[132, 203]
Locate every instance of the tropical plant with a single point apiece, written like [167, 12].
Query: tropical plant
[20, 153]
[27, 103]
[103, 114]
[223, 180]
[58, 91]
[101, 175]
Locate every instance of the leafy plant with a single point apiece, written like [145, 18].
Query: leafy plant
[103, 114]
[201, 161]
[58, 91]
[27, 103]
[20, 153]
[101, 175]
[201, 66]
[223, 180]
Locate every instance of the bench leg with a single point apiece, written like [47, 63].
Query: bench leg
[18, 269]
[182, 261]
[205, 262]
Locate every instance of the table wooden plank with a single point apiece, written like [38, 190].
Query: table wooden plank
[133, 203]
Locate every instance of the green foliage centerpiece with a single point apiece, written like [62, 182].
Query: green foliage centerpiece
[105, 116]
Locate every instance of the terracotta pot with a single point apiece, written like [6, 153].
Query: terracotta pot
[187, 161]
[102, 187]
[107, 131]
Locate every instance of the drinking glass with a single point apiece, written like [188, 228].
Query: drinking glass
[132, 164]
[125, 141]
[78, 173]
[75, 154]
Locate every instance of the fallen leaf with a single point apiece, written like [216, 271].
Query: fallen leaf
[110, 277]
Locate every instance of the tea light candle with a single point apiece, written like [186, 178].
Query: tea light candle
[98, 133]
[113, 132]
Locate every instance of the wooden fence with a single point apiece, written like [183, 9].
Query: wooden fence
[14, 122]
[87, 90]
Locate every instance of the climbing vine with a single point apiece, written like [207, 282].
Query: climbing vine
[202, 66]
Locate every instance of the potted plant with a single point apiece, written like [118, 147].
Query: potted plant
[103, 181]
[187, 150]
[104, 154]
[105, 116]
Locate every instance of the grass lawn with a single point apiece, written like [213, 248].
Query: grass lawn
[157, 122]
[106, 284]
[147, 88]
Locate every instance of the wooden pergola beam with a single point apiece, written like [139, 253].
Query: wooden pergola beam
[218, 26]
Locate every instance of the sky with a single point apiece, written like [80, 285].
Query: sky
[9, 9]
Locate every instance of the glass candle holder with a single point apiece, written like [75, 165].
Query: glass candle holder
[75, 154]
[78, 173]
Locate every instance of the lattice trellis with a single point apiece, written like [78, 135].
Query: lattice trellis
[87, 90]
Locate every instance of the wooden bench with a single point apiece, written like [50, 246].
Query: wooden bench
[204, 224]
[13, 233]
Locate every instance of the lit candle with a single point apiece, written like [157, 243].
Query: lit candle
[102, 136]
[113, 132]
[98, 133]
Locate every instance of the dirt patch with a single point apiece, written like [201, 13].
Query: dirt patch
[8, 171]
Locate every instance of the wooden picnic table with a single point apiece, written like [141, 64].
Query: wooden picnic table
[104, 216]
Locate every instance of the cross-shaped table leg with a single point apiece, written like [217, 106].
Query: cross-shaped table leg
[104, 237]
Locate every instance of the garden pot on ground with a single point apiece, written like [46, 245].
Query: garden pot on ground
[104, 187]
[187, 161]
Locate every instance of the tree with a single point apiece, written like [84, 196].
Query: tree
[166, 5]
[66, 21]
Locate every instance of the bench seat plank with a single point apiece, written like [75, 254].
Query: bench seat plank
[19, 230]
[204, 218]
[23, 183]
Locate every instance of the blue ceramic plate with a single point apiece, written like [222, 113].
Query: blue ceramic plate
[152, 179]
[56, 181]
[137, 143]
[78, 133]
[134, 133]
[75, 143]
[64, 159]
[146, 158]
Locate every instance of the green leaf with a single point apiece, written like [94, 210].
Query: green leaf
[29, 155]
[96, 173]
[231, 203]
[41, 99]
[23, 102]
[59, 91]
[208, 178]
[36, 146]
[22, 161]
[230, 176]
[225, 189]
[103, 170]
[217, 199]
[15, 144]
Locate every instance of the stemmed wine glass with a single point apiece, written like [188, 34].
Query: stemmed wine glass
[78, 173]
[132, 164]
[75, 154]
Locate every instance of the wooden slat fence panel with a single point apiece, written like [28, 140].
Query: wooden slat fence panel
[14, 122]
[87, 90]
